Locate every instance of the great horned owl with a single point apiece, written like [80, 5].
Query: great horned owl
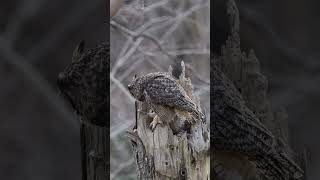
[235, 129]
[85, 83]
[160, 90]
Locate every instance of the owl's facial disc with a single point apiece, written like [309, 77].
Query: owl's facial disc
[134, 88]
[131, 87]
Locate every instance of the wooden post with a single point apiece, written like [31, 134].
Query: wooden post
[167, 152]
[95, 152]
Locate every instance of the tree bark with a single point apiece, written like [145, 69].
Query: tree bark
[94, 152]
[169, 152]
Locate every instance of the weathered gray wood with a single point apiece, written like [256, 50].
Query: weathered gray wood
[162, 154]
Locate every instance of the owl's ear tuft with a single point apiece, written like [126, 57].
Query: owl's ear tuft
[78, 51]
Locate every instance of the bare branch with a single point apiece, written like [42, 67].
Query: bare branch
[115, 6]
[62, 29]
[122, 88]
[36, 80]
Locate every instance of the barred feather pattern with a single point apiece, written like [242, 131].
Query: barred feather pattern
[236, 129]
[161, 89]
[84, 82]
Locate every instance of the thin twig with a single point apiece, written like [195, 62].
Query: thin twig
[61, 30]
[35, 79]
[25, 10]
[122, 88]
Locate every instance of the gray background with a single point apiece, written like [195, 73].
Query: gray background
[284, 35]
[39, 135]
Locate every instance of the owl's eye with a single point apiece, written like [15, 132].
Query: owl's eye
[135, 77]
[130, 86]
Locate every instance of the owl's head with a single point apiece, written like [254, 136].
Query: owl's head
[136, 89]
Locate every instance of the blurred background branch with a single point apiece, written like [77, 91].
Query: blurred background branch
[148, 36]
[39, 131]
[35, 136]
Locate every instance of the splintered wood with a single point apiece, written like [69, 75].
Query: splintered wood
[169, 152]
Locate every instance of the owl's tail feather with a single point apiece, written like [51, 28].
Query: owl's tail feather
[278, 166]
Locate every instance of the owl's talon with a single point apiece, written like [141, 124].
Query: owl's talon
[156, 120]
[151, 114]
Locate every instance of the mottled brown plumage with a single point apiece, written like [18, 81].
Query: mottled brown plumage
[85, 83]
[236, 129]
[161, 89]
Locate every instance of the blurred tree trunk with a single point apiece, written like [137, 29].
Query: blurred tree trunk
[244, 70]
[169, 152]
[95, 152]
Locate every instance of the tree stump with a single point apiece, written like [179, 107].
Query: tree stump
[169, 152]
